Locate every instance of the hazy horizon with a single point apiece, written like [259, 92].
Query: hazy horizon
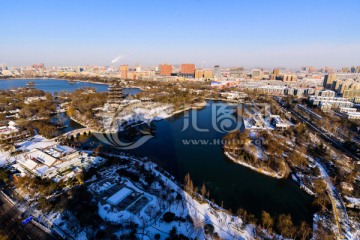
[267, 34]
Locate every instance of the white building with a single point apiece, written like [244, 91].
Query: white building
[48, 159]
[346, 109]
[11, 132]
[353, 115]
[336, 102]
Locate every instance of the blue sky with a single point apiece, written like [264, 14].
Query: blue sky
[230, 33]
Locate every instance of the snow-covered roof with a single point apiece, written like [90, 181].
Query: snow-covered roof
[30, 164]
[64, 149]
[41, 170]
[42, 157]
[119, 196]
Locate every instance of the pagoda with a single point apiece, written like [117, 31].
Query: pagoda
[30, 85]
[115, 95]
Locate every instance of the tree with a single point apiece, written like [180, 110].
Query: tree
[168, 217]
[266, 220]
[173, 233]
[189, 186]
[4, 176]
[304, 231]
[3, 235]
[285, 225]
[203, 190]
[242, 213]
[322, 200]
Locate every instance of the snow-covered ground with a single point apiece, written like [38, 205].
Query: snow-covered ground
[271, 174]
[336, 200]
[150, 216]
[134, 112]
[5, 158]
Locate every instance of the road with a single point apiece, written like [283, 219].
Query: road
[11, 223]
[337, 203]
[339, 208]
[323, 134]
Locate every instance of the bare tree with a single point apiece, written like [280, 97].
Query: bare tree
[266, 220]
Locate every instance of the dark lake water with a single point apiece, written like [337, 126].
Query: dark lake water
[53, 85]
[234, 185]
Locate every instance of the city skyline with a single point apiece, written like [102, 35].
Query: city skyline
[265, 34]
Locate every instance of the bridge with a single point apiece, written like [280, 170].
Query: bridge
[75, 132]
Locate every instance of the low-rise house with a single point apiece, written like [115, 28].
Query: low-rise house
[52, 161]
[34, 99]
[11, 133]
[278, 122]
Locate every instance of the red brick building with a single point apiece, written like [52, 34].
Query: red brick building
[187, 69]
[165, 69]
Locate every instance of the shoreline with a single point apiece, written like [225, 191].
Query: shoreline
[267, 173]
[53, 78]
[199, 106]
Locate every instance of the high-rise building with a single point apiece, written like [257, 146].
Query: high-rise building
[208, 73]
[203, 73]
[344, 86]
[165, 69]
[257, 74]
[289, 78]
[327, 70]
[236, 72]
[276, 72]
[187, 69]
[328, 80]
[217, 73]
[351, 94]
[358, 69]
[124, 69]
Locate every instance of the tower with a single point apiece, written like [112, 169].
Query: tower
[115, 94]
[30, 85]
